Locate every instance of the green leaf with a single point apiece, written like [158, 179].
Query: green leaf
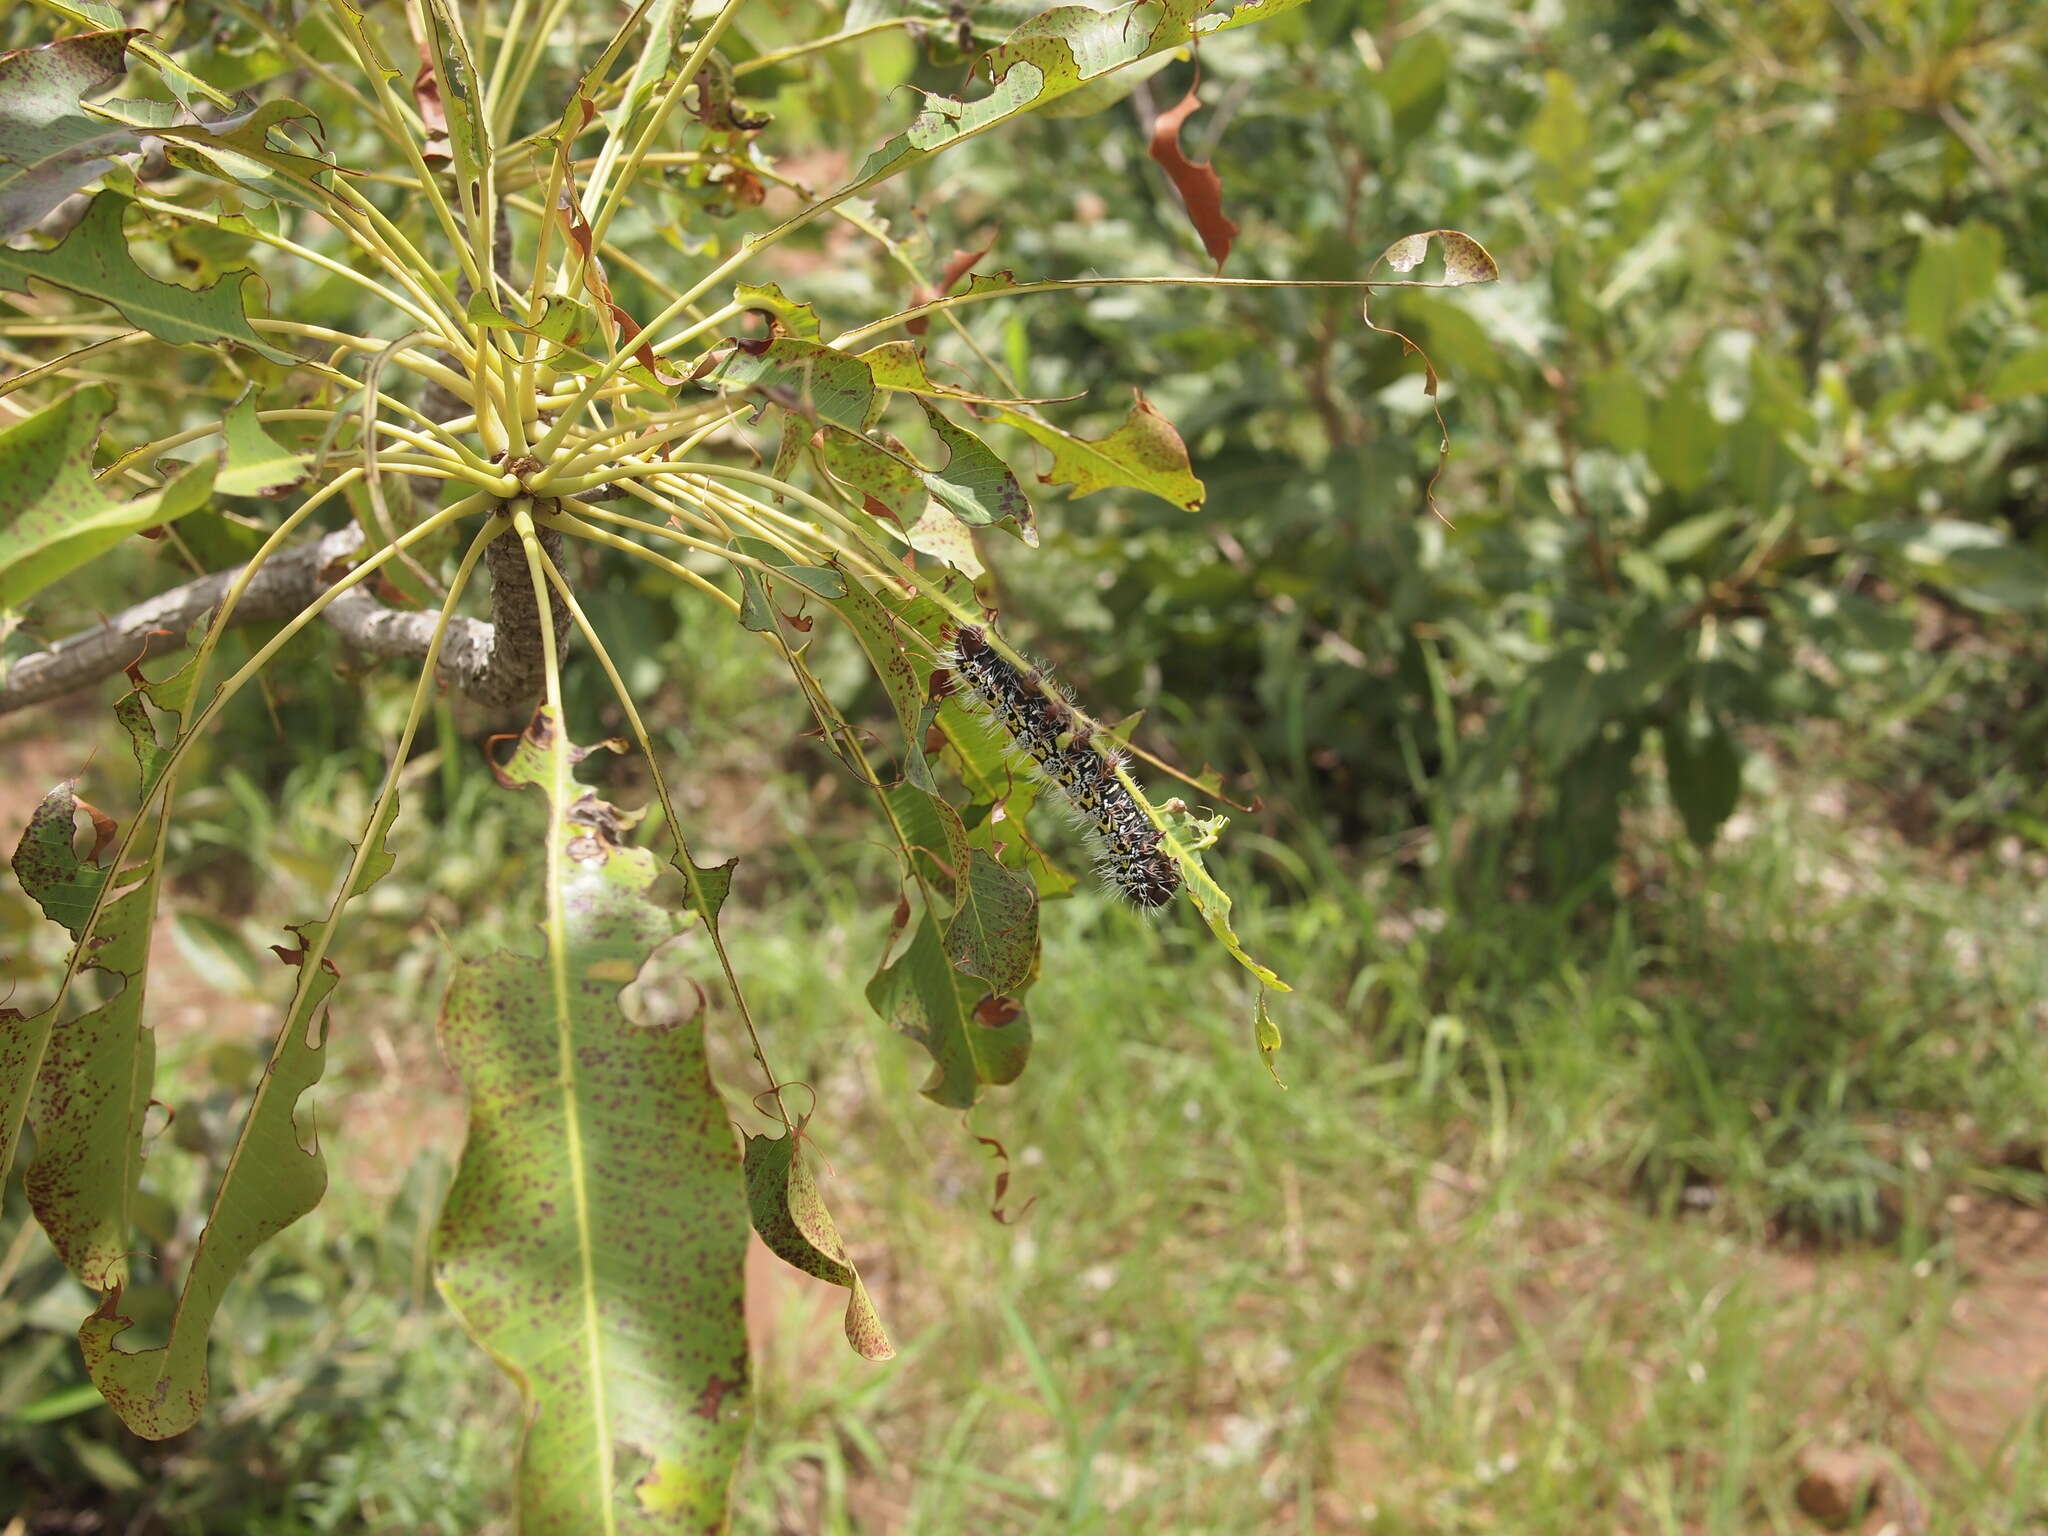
[90, 1073]
[1704, 770]
[1953, 273]
[790, 1215]
[1145, 453]
[276, 1172]
[48, 147]
[1266, 1035]
[256, 465]
[93, 260]
[976, 1037]
[1184, 835]
[2022, 376]
[56, 516]
[902, 678]
[48, 867]
[973, 484]
[469, 133]
[804, 377]
[933, 837]
[82, 1084]
[798, 319]
[594, 1238]
[993, 933]
[1685, 436]
[238, 150]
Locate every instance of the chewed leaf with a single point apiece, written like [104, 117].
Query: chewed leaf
[1266, 1035]
[804, 377]
[1145, 453]
[976, 1037]
[48, 866]
[594, 1238]
[993, 933]
[276, 1173]
[1184, 835]
[790, 1215]
[902, 677]
[1465, 259]
[93, 260]
[795, 317]
[256, 465]
[973, 484]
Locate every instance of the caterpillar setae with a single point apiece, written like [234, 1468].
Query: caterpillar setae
[1060, 747]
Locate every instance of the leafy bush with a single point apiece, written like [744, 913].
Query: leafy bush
[468, 354]
[1748, 435]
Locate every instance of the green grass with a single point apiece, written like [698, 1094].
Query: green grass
[1566, 1222]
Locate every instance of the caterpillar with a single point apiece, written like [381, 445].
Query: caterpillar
[1059, 745]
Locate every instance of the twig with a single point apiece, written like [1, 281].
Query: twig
[496, 663]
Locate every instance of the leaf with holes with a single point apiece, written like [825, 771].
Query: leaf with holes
[1052, 55]
[276, 1172]
[1145, 454]
[976, 1038]
[594, 1238]
[973, 484]
[93, 260]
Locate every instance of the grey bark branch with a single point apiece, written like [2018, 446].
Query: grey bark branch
[497, 663]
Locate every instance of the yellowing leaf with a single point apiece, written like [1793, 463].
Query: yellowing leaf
[1145, 453]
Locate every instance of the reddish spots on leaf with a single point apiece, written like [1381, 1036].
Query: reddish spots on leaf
[1200, 188]
[874, 508]
[711, 1401]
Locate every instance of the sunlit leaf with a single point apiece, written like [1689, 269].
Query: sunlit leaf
[1145, 454]
[1200, 188]
[973, 484]
[594, 1238]
[790, 1215]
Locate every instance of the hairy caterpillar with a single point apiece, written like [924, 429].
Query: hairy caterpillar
[1060, 747]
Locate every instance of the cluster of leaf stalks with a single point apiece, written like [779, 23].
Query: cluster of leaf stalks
[592, 1241]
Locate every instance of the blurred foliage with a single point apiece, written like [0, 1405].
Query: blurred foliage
[1750, 434]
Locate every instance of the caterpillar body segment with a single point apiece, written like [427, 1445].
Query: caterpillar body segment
[1056, 744]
